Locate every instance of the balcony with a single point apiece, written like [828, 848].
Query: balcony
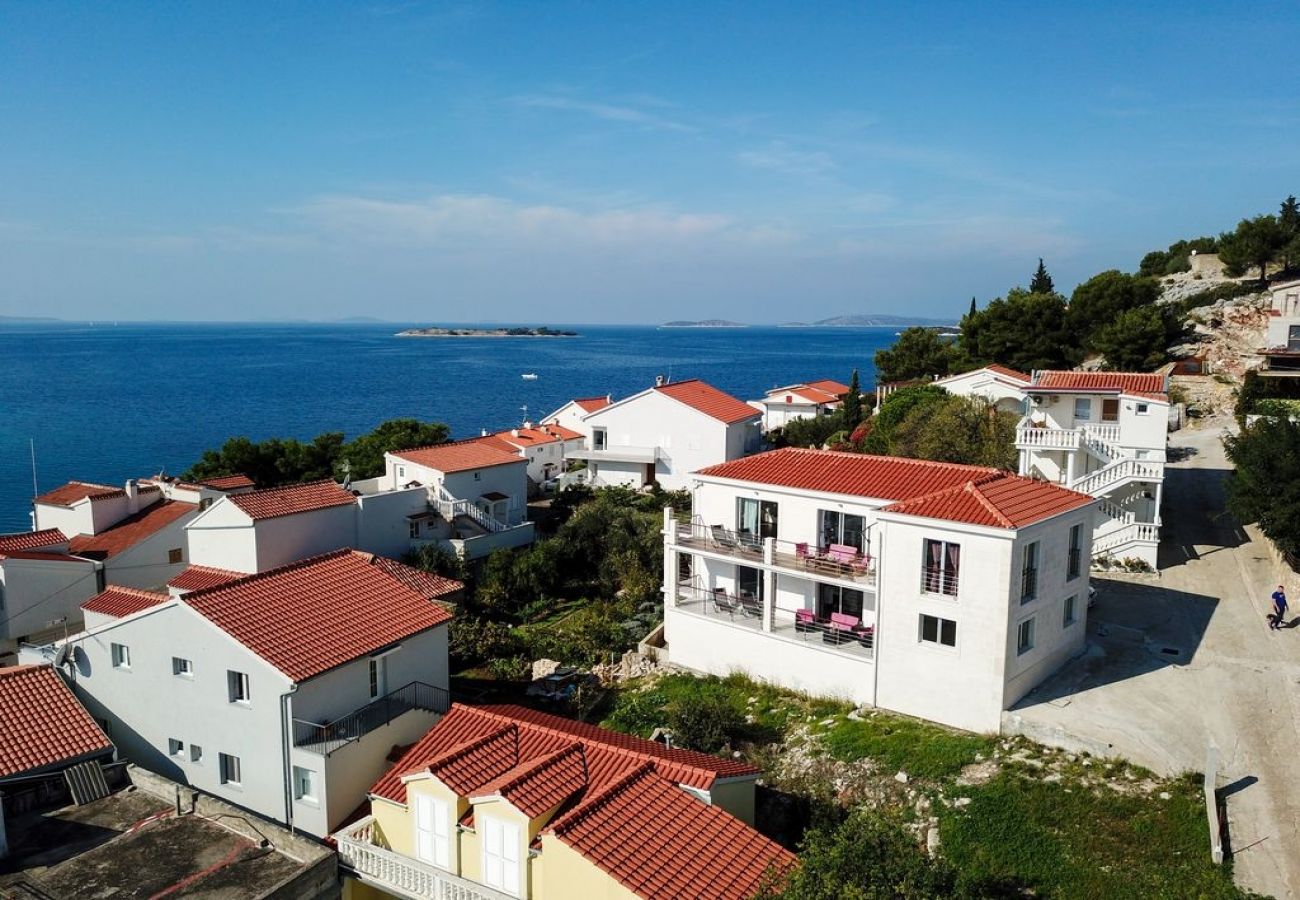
[328, 737]
[1045, 438]
[360, 851]
[850, 636]
[619, 453]
[838, 563]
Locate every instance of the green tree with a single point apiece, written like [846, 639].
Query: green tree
[1137, 340]
[918, 353]
[271, 462]
[1256, 243]
[1102, 298]
[894, 410]
[1265, 484]
[1153, 264]
[811, 431]
[1288, 220]
[969, 430]
[852, 405]
[1025, 331]
[365, 454]
[1041, 283]
[973, 308]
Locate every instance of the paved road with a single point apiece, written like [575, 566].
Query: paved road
[1188, 658]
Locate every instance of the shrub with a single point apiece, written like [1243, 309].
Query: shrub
[705, 722]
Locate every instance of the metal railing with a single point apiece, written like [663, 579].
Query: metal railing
[449, 507]
[330, 736]
[838, 562]
[395, 872]
[938, 580]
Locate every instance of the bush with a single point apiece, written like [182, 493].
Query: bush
[706, 722]
[471, 641]
[1265, 485]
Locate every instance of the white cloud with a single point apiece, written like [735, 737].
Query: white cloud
[778, 156]
[630, 114]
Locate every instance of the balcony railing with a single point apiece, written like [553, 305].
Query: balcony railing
[1044, 438]
[936, 580]
[401, 874]
[840, 562]
[328, 737]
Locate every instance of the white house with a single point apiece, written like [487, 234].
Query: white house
[282, 692]
[572, 414]
[41, 586]
[1001, 386]
[936, 590]
[1281, 351]
[800, 401]
[666, 432]
[547, 447]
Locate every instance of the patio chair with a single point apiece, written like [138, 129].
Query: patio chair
[840, 628]
[722, 537]
[805, 620]
[865, 635]
[724, 602]
[750, 605]
[801, 553]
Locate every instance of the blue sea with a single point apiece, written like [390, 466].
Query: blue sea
[107, 402]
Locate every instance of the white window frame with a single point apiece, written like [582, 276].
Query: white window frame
[1087, 409]
[938, 631]
[501, 869]
[947, 581]
[1142, 409]
[238, 688]
[1025, 626]
[1074, 553]
[1070, 611]
[304, 785]
[121, 654]
[229, 769]
[182, 667]
[433, 830]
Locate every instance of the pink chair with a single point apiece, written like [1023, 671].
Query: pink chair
[805, 620]
[840, 628]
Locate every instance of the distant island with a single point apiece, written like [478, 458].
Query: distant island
[705, 323]
[869, 320]
[542, 332]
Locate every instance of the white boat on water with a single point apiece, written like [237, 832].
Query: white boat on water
[529, 376]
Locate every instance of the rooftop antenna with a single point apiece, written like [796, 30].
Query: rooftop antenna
[36, 491]
[525, 412]
[346, 469]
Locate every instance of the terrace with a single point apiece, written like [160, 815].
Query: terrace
[839, 563]
[362, 851]
[326, 738]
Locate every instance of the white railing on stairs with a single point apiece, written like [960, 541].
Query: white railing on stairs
[449, 507]
[1137, 532]
[402, 874]
[1098, 482]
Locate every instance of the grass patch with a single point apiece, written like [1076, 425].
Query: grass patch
[910, 745]
[1073, 840]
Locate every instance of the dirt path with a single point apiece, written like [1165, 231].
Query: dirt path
[1188, 659]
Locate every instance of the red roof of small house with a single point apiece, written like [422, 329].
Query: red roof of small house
[196, 578]
[1009, 372]
[1143, 384]
[313, 615]
[591, 404]
[293, 499]
[855, 474]
[518, 438]
[542, 784]
[829, 386]
[131, 531]
[426, 584]
[41, 722]
[76, 491]
[32, 540]
[460, 456]
[804, 392]
[1001, 500]
[119, 601]
[228, 483]
[709, 400]
[43, 556]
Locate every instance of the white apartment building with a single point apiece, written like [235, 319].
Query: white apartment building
[1281, 350]
[282, 693]
[799, 401]
[1099, 433]
[940, 591]
[547, 447]
[666, 432]
[573, 414]
[41, 585]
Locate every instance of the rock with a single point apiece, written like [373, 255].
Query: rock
[961, 802]
[932, 840]
[825, 722]
[901, 778]
[1165, 795]
[544, 667]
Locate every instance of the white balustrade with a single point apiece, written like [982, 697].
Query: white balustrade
[397, 872]
[1047, 438]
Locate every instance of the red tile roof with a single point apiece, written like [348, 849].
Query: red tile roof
[709, 400]
[1013, 374]
[41, 722]
[855, 474]
[522, 734]
[659, 842]
[541, 785]
[76, 491]
[292, 499]
[1002, 500]
[228, 483]
[1140, 383]
[196, 578]
[32, 540]
[829, 386]
[514, 438]
[118, 601]
[313, 615]
[132, 530]
[43, 556]
[471, 764]
[591, 404]
[460, 456]
[426, 584]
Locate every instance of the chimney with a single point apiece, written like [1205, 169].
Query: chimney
[482, 432]
[514, 432]
[659, 381]
[132, 496]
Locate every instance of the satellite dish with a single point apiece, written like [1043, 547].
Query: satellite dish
[61, 657]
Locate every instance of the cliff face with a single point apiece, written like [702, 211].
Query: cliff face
[1227, 332]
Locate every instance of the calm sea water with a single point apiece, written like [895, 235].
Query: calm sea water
[104, 403]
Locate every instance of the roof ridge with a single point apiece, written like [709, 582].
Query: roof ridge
[298, 485]
[18, 669]
[134, 591]
[601, 799]
[287, 567]
[532, 768]
[974, 488]
[909, 460]
[460, 752]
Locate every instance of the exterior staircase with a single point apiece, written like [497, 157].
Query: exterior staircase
[1117, 474]
[449, 507]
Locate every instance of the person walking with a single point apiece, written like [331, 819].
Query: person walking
[1279, 608]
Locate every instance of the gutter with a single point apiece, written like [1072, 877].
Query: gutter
[286, 737]
[880, 609]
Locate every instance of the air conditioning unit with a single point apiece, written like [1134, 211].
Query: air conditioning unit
[1036, 400]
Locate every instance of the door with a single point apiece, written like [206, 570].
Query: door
[501, 855]
[432, 830]
[1110, 409]
[378, 677]
[756, 519]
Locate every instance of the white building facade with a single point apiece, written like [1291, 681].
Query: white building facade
[917, 587]
[1281, 350]
[782, 405]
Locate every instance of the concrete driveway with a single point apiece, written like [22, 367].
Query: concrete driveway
[1187, 658]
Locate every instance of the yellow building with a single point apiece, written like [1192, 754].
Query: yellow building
[506, 802]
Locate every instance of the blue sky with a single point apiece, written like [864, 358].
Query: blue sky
[582, 162]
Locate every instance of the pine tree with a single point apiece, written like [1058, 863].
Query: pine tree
[972, 307]
[852, 406]
[1289, 221]
[1041, 283]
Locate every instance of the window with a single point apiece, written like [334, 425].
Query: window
[433, 830]
[121, 656]
[378, 673]
[501, 855]
[835, 599]
[229, 766]
[304, 784]
[939, 568]
[1082, 409]
[175, 555]
[478, 476]
[755, 519]
[414, 529]
[1142, 408]
[1069, 617]
[749, 582]
[843, 528]
[175, 748]
[1025, 637]
[1076, 550]
[401, 471]
[237, 683]
[935, 630]
[1029, 573]
[182, 668]
[196, 753]
[1110, 409]
[598, 439]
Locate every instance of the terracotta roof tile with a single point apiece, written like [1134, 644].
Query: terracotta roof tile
[426, 584]
[855, 474]
[32, 540]
[310, 616]
[132, 530]
[292, 499]
[591, 404]
[76, 491]
[1101, 382]
[999, 501]
[44, 556]
[514, 438]
[474, 763]
[118, 601]
[709, 400]
[662, 844]
[41, 722]
[196, 578]
[228, 483]
[1013, 374]
[460, 456]
[540, 785]
[829, 386]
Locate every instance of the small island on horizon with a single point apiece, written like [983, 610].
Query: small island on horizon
[540, 332]
[704, 323]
